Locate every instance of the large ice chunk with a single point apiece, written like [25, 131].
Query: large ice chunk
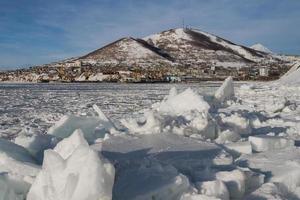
[15, 151]
[184, 153]
[16, 160]
[189, 196]
[292, 76]
[239, 147]
[69, 123]
[36, 144]
[67, 146]
[235, 182]
[236, 123]
[152, 181]
[215, 188]
[268, 143]
[280, 166]
[182, 103]
[12, 187]
[73, 171]
[185, 113]
[228, 136]
[268, 191]
[253, 179]
[163, 161]
[92, 127]
[226, 91]
[17, 169]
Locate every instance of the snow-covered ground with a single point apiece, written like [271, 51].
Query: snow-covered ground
[110, 141]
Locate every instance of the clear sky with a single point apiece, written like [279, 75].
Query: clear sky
[42, 31]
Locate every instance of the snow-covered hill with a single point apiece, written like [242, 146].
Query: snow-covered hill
[191, 46]
[180, 47]
[181, 52]
[262, 48]
[128, 51]
[193, 42]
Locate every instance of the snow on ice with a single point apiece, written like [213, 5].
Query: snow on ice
[185, 113]
[239, 143]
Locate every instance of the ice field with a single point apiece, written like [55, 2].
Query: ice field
[37, 106]
[158, 141]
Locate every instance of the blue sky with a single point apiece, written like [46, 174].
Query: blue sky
[41, 31]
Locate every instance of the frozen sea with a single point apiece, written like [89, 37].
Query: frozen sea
[36, 107]
[246, 147]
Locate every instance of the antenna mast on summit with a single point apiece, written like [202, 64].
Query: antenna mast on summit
[183, 23]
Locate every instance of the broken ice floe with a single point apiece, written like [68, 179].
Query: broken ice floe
[183, 147]
[73, 171]
[186, 113]
[36, 144]
[225, 92]
[268, 143]
[281, 167]
[165, 161]
[92, 127]
[17, 171]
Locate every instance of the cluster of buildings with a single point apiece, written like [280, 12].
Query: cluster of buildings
[90, 71]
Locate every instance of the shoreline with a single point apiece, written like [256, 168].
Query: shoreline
[108, 82]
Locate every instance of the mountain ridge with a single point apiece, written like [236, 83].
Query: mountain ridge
[202, 40]
[179, 52]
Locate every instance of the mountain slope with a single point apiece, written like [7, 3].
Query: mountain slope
[176, 47]
[194, 46]
[129, 51]
[172, 55]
